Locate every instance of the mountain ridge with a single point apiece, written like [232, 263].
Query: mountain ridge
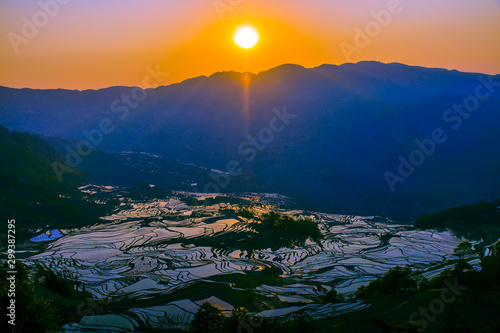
[322, 66]
[352, 123]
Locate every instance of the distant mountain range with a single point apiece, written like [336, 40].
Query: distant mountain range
[366, 138]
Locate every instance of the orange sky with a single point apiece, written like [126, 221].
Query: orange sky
[94, 44]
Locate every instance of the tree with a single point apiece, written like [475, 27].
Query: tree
[460, 267]
[333, 297]
[241, 321]
[207, 319]
[33, 313]
[246, 213]
[463, 248]
[395, 280]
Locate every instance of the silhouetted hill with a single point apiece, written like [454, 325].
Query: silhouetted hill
[30, 192]
[352, 123]
[26, 170]
[480, 220]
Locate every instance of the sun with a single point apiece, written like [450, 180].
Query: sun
[246, 37]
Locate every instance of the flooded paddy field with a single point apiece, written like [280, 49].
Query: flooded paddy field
[157, 260]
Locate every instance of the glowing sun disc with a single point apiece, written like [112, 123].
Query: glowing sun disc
[246, 37]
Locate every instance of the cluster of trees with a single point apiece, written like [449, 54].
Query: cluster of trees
[278, 231]
[332, 296]
[286, 223]
[248, 214]
[209, 319]
[32, 313]
[271, 230]
[479, 213]
[479, 220]
[395, 280]
[59, 285]
[43, 299]
[401, 279]
[481, 280]
[463, 249]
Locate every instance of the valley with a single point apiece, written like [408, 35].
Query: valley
[156, 260]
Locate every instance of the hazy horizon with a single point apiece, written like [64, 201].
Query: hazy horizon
[91, 45]
[254, 73]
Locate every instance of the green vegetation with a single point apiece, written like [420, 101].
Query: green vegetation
[30, 191]
[209, 319]
[301, 226]
[269, 231]
[44, 301]
[32, 313]
[480, 220]
[403, 301]
[395, 280]
[272, 271]
[333, 296]
[463, 249]
[59, 285]
[246, 214]
[400, 279]
[471, 313]
[283, 231]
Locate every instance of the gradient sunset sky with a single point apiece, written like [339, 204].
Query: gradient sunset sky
[90, 44]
